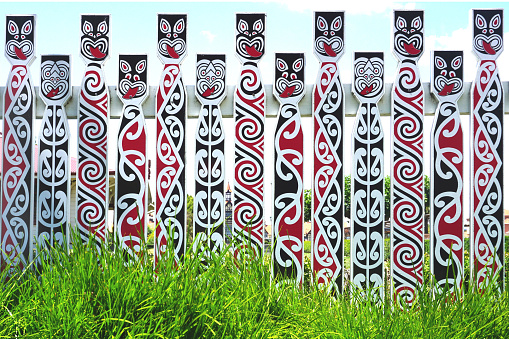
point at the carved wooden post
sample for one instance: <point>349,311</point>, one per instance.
<point>17,156</point>
<point>288,228</point>
<point>367,243</point>
<point>328,111</point>
<point>249,108</point>
<point>487,210</point>
<point>209,165</point>
<point>131,172</point>
<point>407,193</point>
<point>171,101</point>
<point>93,113</point>
<point>447,173</point>
<point>53,175</point>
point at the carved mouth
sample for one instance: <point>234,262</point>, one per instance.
<point>131,93</point>
<point>209,92</point>
<point>367,90</point>
<point>446,90</point>
<point>19,53</point>
<point>252,51</point>
<point>328,49</point>
<point>52,93</point>
<point>288,91</point>
<point>96,52</point>
<point>410,49</point>
<point>171,52</point>
<point>487,47</point>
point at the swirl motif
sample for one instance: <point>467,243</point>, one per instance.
<point>288,256</point>
<point>487,256</point>
<point>248,212</point>
<point>92,172</point>
<point>131,181</point>
<point>407,212</point>
<point>327,263</point>
<point>17,169</point>
<point>170,149</point>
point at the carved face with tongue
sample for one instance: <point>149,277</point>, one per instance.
<point>210,77</point>
<point>250,36</point>
<point>488,33</point>
<point>368,74</point>
<point>289,75</point>
<point>329,33</point>
<point>19,42</point>
<point>172,37</point>
<point>55,83</point>
<point>408,34</point>
<point>132,76</point>
<point>447,73</point>
<point>95,30</point>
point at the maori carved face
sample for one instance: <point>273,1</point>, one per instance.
<point>368,76</point>
<point>289,76</point>
<point>172,37</point>
<point>95,41</point>
<point>447,73</point>
<point>250,38</point>
<point>488,33</point>
<point>19,40</point>
<point>329,35</point>
<point>210,78</point>
<point>132,77</point>
<point>408,34</point>
<point>55,78</point>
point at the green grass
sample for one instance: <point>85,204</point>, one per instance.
<point>76,298</point>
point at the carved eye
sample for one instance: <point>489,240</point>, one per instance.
<point>242,27</point>
<point>491,31</point>
<point>164,26</point>
<point>258,25</point>
<point>141,65</point>
<point>202,73</point>
<point>62,74</point>
<point>361,71</point>
<point>325,33</point>
<point>218,73</point>
<point>336,24</point>
<point>23,36</point>
<point>87,27</point>
<point>480,22</point>
<point>281,65</point>
<point>179,26</point>
<point>452,74</point>
<point>412,30</point>
<point>297,65</point>
<point>376,71</point>
<point>12,27</point>
<point>293,76</point>
<point>400,23</point>
<point>16,36</point>
<point>47,74</point>
<point>456,62</point>
<point>440,63</point>
<point>443,72</point>
<point>136,77</point>
<point>103,27</point>
<point>321,24</point>
<point>125,67</point>
<point>495,21</point>
<point>405,30</point>
<point>485,31</point>
<point>128,76</point>
<point>285,74</point>
<point>332,33</point>
<point>27,28</point>
<point>417,23</point>
<point>175,35</point>
<point>254,33</point>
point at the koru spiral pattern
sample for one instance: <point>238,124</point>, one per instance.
<point>17,156</point>
<point>487,235</point>
<point>288,228</point>
<point>170,142</point>
<point>367,245</point>
<point>447,173</point>
<point>93,112</point>
<point>328,112</point>
<point>407,193</point>
<point>249,110</point>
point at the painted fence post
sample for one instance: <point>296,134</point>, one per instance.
<point>447,173</point>
<point>209,162</point>
<point>92,184</point>
<point>131,171</point>
<point>407,193</point>
<point>288,228</point>
<point>171,100</point>
<point>487,135</point>
<point>328,182</point>
<point>17,156</point>
<point>249,110</point>
<point>53,175</point>
<point>367,223</point>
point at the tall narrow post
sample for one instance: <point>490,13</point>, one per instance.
<point>328,182</point>
<point>171,98</point>
<point>407,186</point>
<point>209,166</point>
<point>249,110</point>
<point>367,223</point>
<point>92,184</point>
<point>17,156</point>
<point>288,228</point>
<point>131,173</point>
<point>487,137</point>
<point>447,173</point>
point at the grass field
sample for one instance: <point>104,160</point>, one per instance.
<point>75,297</point>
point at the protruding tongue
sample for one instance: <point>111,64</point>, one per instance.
<point>96,52</point>
<point>208,92</point>
<point>488,48</point>
<point>288,91</point>
<point>53,92</point>
<point>252,51</point>
<point>171,52</point>
<point>367,90</point>
<point>19,53</point>
<point>131,93</point>
<point>410,49</point>
<point>446,90</point>
<point>328,49</point>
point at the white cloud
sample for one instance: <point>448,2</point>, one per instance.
<point>209,35</point>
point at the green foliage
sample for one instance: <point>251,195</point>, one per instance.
<point>189,219</point>
<point>348,194</point>
<point>307,205</point>
<point>307,246</point>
